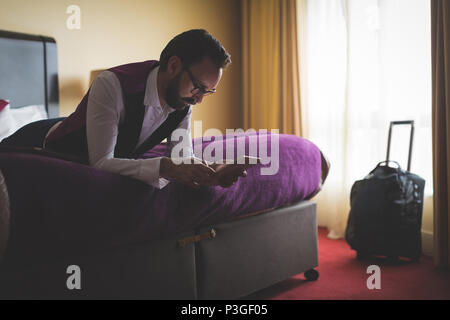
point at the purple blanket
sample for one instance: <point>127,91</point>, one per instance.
<point>61,209</point>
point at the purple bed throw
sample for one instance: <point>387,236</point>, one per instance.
<point>61,209</point>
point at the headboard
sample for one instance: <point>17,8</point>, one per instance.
<point>29,71</point>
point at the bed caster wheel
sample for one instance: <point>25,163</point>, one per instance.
<point>311,275</point>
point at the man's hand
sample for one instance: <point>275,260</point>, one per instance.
<point>194,174</point>
<point>226,176</point>
<point>199,173</point>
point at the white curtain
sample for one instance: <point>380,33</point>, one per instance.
<point>365,63</point>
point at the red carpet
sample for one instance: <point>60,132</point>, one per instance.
<point>342,276</point>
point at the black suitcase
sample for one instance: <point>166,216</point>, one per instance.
<point>386,209</point>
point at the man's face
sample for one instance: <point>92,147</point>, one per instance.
<point>181,90</point>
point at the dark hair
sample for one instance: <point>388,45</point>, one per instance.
<point>192,46</point>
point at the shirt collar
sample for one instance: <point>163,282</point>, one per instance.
<point>151,98</point>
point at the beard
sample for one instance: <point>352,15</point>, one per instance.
<point>173,98</point>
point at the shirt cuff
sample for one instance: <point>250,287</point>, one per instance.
<point>160,183</point>
<point>149,172</point>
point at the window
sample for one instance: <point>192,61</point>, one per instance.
<point>364,63</point>
<point>368,62</point>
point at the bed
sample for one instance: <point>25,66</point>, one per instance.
<point>131,241</point>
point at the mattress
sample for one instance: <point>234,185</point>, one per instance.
<point>60,208</point>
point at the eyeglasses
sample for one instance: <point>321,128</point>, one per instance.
<point>198,88</point>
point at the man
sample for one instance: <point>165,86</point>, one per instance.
<point>131,108</point>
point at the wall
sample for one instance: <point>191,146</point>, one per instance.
<point>115,32</point>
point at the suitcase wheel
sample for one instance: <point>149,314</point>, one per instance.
<point>361,255</point>
<point>393,259</point>
<point>311,275</point>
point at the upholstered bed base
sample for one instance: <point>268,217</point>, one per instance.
<point>245,256</point>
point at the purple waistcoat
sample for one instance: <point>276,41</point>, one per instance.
<point>70,136</point>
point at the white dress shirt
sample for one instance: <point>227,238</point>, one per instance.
<point>106,110</point>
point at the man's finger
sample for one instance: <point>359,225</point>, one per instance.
<point>229,182</point>
<point>204,171</point>
<point>195,160</point>
<point>204,177</point>
<point>191,183</point>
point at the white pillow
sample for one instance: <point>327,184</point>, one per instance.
<point>28,114</point>
<point>7,123</point>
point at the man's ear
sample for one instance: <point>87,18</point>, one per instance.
<point>174,66</point>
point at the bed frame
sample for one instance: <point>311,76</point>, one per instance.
<point>223,261</point>
<point>29,66</point>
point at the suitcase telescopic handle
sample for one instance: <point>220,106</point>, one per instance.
<point>406,122</point>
